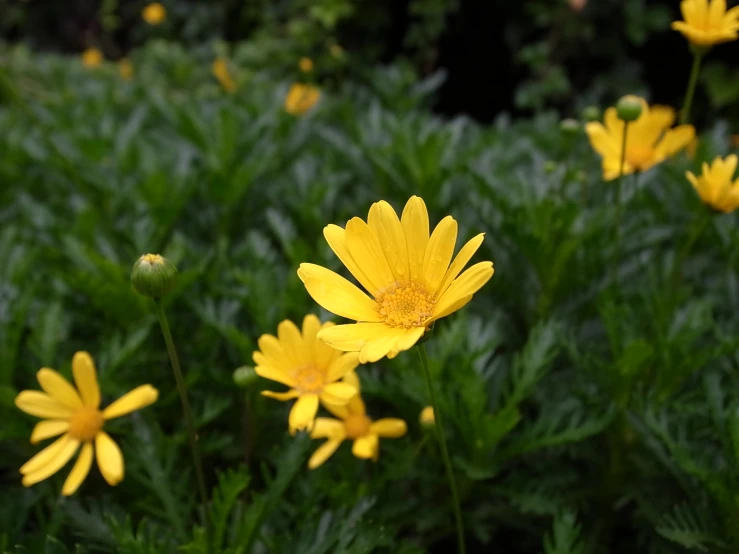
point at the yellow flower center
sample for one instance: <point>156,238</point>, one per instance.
<point>639,157</point>
<point>357,426</point>
<point>152,259</point>
<point>85,424</point>
<point>309,379</point>
<point>405,304</point>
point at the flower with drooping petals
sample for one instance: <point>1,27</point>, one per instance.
<point>301,98</point>
<point>154,13</point>
<point>76,413</point>
<point>707,22</point>
<point>353,424</point>
<point>715,186</point>
<point>310,367</point>
<point>410,275</point>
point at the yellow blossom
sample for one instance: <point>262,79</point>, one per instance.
<point>411,277</point>
<point>221,72</point>
<point>427,416</point>
<point>353,424</point>
<point>308,366</point>
<point>707,22</point>
<point>154,13</point>
<point>125,69</point>
<point>650,139</point>
<point>92,57</point>
<point>77,414</point>
<point>301,98</point>
<point>305,64</point>
<point>715,186</point>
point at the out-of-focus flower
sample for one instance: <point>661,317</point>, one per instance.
<point>707,22</point>
<point>221,72</point>
<point>426,418</point>
<point>301,98</point>
<point>305,64</point>
<point>77,414</point>
<point>336,51</point>
<point>154,13</point>
<point>650,139</point>
<point>125,69</point>
<point>92,57</point>
<point>353,424</point>
<point>715,186</point>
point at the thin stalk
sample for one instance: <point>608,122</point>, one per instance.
<point>677,264</point>
<point>692,83</point>
<point>186,410</point>
<point>439,428</point>
<point>619,185</point>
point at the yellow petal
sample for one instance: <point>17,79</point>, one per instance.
<point>272,350</point>
<point>415,222</point>
<point>716,12</point>
<point>60,459</point>
<point>337,393</point>
<point>85,377</point>
<point>109,458</point>
<point>384,222</point>
<point>311,326</point>
<point>303,412</point>
<point>342,412</point>
<point>327,428</point>
<point>47,429</point>
<point>45,456</point>
<point>379,347</point>
<point>352,379</point>
<point>336,294</point>
<point>323,453</point>
<point>601,141</point>
<point>389,427</point>
<point>59,388</point>
<point>134,400</point>
<point>675,140</point>
<point>353,336</point>
<point>464,287</point>
<point>341,366</point>
<point>275,374</point>
<point>366,447</point>
<point>325,355</point>
<point>366,251</point>
<point>79,471</point>
<point>336,238</point>
<point>281,396</point>
<point>439,252</point>
<point>40,404</point>
<point>461,260</point>
<point>292,344</point>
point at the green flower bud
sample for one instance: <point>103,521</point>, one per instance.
<point>569,127</point>
<point>245,376</point>
<point>153,275</point>
<point>629,108</point>
<point>550,166</point>
<point>591,113</point>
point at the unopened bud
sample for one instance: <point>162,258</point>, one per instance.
<point>153,275</point>
<point>245,376</point>
<point>426,419</point>
<point>629,108</point>
<point>591,113</point>
<point>569,127</point>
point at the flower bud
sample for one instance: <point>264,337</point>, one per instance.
<point>569,127</point>
<point>245,376</point>
<point>629,108</point>
<point>591,113</point>
<point>153,275</point>
<point>426,419</point>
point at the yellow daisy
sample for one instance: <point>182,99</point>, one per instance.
<point>301,98</point>
<point>154,13</point>
<point>715,186</point>
<point>353,424</point>
<point>707,22</point>
<point>407,273</point>
<point>92,57</point>
<point>76,413</point>
<point>649,141</point>
<point>221,72</point>
<point>308,366</point>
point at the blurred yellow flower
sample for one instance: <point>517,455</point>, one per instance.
<point>308,366</point>
<point>76,413</point>
<point>220,71</point>
<point>706,22</point>
<point>649,141</point>
<point>125,69</point>
<point>305,65</point>
<point>715,186</point>
<point>427,417</point>
<point>154,13</point>
<point>301,98</point>
<point>353,424</point>
<point>407,272</point>
<point>92,57</point>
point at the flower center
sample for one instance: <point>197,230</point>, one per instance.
<point>405,304</point>
<point>309,379</point>
<point>357,426</point>
<point>639,157</point>
<point>85,424</point>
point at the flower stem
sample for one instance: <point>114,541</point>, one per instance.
<point>617,226</point>
<point>186,409</point>
<point>692,83</point>
<point>677,264</point>
<point>439,427</point>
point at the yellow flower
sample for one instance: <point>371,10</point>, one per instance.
<point>706,22</point>
<point>427,417</point>
<point>353,424</point>
<point>220,71</point>
<point>715,186</point>
<point>92,57</point>
<point>407,272</point>
<point>305,65</point>
<point>301,98</point>
<point>125,69</point>
<point>308,366</point>
<point>649,140</point>
<point>76,413</point>
<point>154,13</point>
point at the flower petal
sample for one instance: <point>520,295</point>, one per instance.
<point>366,251</point>
<point>57,462</point>
<point>79,471</point>
<point>292,344</point>
<point>311,326</point>
<point>353,336</point>
<point>366,447</point>
<point>275,374</point>
<point>109,458</point>
<point>323,453</point>
<point>389,427</point>
<point>415,222</point>
<point>384,222</point>
<point>341,366</point>
<point>136,399</point>
<point>85,377</point>
<point>336,294</point>
<point>463,288</point>
<point>303,412</point>
<point>461,260</point>
<point>59,388</point>
<point>281,396</point>
<point>337,393</point>
<point>40,404</point>
<point>327,428</point>
<point>439,252</point>
<point>47,429</point>
<point>336,238</point>
<point>45,456</point>
<point>271,349</point>
<point>675,140</point>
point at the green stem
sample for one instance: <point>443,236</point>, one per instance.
<point>692,83</point>
<point>439,428</point>
<point>677,264</point>
<point>617,225</point>
<point>186,410</point>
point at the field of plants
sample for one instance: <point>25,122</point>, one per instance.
<point>578,395</point>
